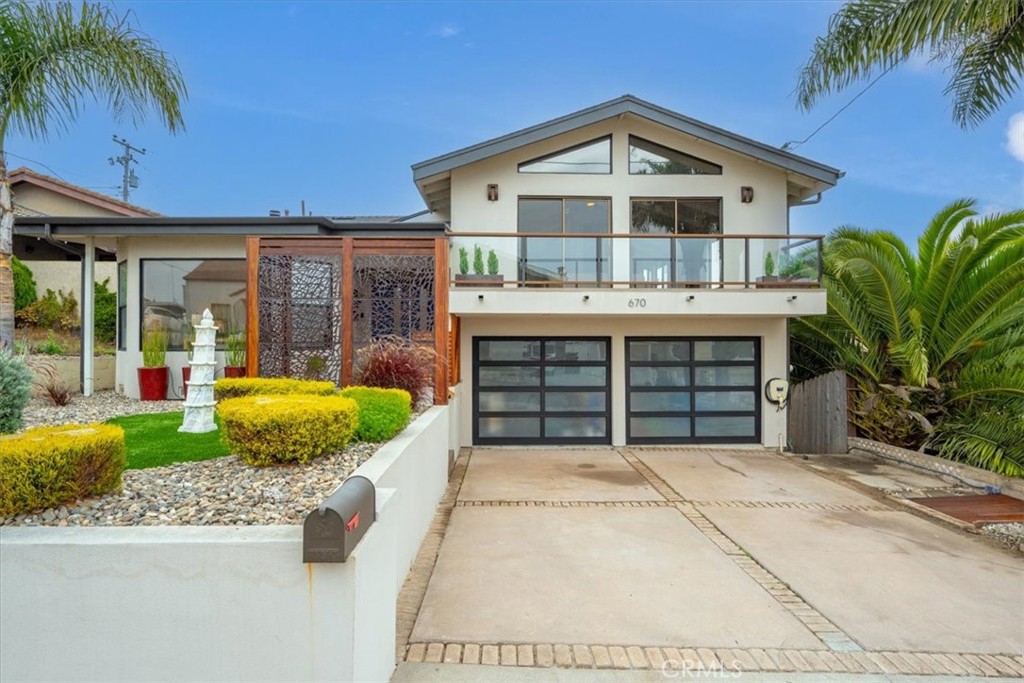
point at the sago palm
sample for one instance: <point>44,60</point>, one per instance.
<point>935,341</point>
<point>981,40</point>
<point>53,58</point>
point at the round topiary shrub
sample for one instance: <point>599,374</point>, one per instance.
<point>233,387</point>
<point>49,466</point>
<point>382,412</point>
<point>269,430</point>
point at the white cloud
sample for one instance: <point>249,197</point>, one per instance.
<point>1015,136</point>
<point>447,31</point>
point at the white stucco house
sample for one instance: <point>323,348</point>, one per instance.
<point>638,280</point>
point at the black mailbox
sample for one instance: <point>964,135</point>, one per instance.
<point>331,532</point>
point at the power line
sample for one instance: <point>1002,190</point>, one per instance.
<point>793,144</point>
<point>129,181</point>
<point>51,169</point>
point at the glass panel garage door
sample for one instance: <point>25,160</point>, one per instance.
<point>693,390</point>
<point>541,390</point>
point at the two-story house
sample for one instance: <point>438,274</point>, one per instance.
<point>647,278</point>
<point>621,275</point>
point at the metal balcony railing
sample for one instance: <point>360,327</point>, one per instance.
<point>481,259</point>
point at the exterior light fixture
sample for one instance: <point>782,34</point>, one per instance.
<point>586,297</point>
<point>691,297</point>
<point>746,194</point>
<point>479,297</point>
<point>492,192</point>
<point>791,298</point>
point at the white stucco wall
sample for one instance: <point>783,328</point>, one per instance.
<point>219,603</point>
<point>472,212</point>
<point>133,249</point>
<point>771,332</point>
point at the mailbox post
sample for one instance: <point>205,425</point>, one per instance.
<point>331,532</point>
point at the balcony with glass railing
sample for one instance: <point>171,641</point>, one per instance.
<point>633,261</point>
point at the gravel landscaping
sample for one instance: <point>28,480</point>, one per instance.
<point>1010,534</point>
<point>220,491</point>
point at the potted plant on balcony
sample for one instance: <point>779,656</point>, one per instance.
<point>153,373</point>
<point>769,279</point>
<point>235,365</point>
<point>482,276</point>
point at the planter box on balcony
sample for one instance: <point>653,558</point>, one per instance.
<point>479,280</point>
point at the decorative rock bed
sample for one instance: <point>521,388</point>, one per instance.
<point>221,491</point>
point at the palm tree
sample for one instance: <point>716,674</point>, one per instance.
<point>983,41</point>
<point>53,57</point>
<point>934,341</point>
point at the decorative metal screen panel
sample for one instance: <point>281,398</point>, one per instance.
<point>300,322</point>
<point>393,295</point>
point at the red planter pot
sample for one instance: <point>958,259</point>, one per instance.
<point>234,371</point>
<point>186,375</point>
<point>152,384</point>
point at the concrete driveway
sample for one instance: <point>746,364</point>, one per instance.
<point>703,560</point>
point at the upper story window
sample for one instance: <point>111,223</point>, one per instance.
<point>581,215</point>
<point>650,158</point>
<point>676,216</point>
<point>593,157</point>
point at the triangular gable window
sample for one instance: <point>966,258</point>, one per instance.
<point>650,158</point>
<point>594,157</point>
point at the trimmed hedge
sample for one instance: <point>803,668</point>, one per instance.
<point>267,430</point>
<point>382,412</point>
<point>49,466</point>
<point>233,387</point>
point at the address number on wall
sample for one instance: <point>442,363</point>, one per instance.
<point>638,303</point>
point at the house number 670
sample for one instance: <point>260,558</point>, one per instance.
<point>638,303</point>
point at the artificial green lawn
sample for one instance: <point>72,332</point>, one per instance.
<point>153,440</point>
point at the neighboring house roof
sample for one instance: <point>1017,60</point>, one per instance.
<point>426,173</point>
<point>218,270</point>
<point>76,192</point>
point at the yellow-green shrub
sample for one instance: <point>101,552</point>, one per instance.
<point>49,466</point>
<point>382,412</point>
<point>233,387</point>
<point>264,430</point>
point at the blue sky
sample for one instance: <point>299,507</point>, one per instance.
<point>332,102</point>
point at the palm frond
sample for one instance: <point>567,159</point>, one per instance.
<point>55,58</point>
<point>989,438</point>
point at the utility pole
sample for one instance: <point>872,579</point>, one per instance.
<point>129,181</point>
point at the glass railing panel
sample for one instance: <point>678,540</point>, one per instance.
<point>698,261</point>
<point>483,261</point>
<point>650,261</point>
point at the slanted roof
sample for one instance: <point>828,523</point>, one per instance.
<point>432,176</point>
<point>77,192</point>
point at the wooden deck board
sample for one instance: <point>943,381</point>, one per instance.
<point>978,510</point>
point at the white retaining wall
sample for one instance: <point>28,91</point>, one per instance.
<point>219,603</point>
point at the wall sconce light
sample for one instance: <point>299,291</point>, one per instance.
<point>586,297</point>
<point>746,194</point>
<point>791,298</point>
<point>479,297</point>
<point>492,192</point>
<point>691,297</point>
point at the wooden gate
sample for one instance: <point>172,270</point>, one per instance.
<point>819,416</point>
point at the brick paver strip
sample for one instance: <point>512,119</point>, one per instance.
<point>1017,668</point>
<point>563,656</point>
<point>524,655</point>
<point>452,653</point>
<point>489,655</point>
<point>708,659</point>
<point>435,651</point>
<point>416,652</point>
<point>508,655</point>
<point>602,660</point>
<point>471,654</point>
<point>655,657</point>
<point>583,656</point>
<point>980,663</point>
<point>410,597</point>
<point>619,658</point>
<point>637,659</point>
<point>545,656</point>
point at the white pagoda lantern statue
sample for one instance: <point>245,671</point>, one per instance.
<point>199,403</point>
